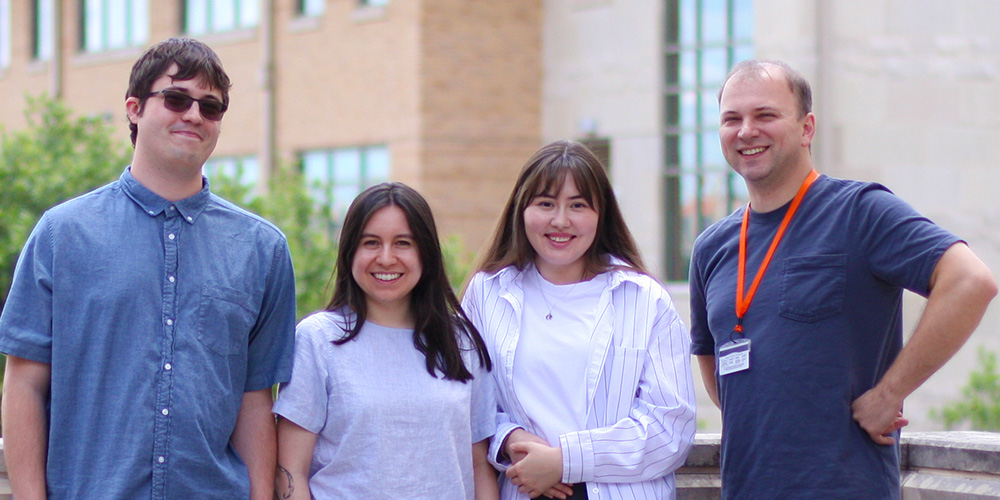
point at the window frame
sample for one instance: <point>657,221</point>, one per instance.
<point>42,26</point>
<point>134,25</point>
<point>324,190</point>
<point>686,132</point>
<point>245,15</point>
<point>5,27</point>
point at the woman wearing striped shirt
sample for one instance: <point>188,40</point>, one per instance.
<point>591,362</point>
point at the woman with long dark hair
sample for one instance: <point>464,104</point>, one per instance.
<point>592,362</point>
<point>390,394</point>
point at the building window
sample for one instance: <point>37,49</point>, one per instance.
<point>337,176</point>
<point>311,8</point>
<point>114,24</point>
<point>242,169</point>
<point>41,29</point>
<point>215,16</point>
<point>4,33</point>
<point>704,38</point>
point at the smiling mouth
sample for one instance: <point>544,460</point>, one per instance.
<point>188,133</point>
<point>386,276</point>
<point>560,239</point>
<point>752,151</point>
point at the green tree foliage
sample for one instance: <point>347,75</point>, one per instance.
<point>306,224</point>
<point>979,407</point>
<point>312,236</point>
<point>58,156</point>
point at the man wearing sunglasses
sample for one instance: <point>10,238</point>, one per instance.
<point>149,319</point>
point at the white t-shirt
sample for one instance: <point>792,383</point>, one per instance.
<point>552,355</point>
<point>385,428</point>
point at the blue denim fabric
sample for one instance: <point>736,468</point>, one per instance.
<point>155,317</point>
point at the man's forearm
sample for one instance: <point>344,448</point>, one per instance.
<point>25,391</point>
<point>255,440</point>
<point>961,290</point>
<point>706,366</point>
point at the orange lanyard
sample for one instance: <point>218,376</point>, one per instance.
<point>743,303</point>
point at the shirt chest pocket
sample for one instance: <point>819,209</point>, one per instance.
<point>813,287</point>
<point>225,317</point>
<point>623,381</point>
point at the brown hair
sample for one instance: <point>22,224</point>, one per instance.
<point>194,59</point>
<point>545,172</point>
<point>760,67</point>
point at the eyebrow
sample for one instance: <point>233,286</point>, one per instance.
<point>400,235</point>
<point>755,110</point>
<point>184,90</point>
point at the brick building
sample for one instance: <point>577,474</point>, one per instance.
<point>441,94</point>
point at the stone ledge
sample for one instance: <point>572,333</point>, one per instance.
<point>934,466</point>
<point>957,451</point>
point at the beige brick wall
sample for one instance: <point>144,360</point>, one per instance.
<point>480,107</point>
<point>452,87</point>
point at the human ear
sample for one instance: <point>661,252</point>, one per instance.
<point>132,109</point>
<point>808,130</point>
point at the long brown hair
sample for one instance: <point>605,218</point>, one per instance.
<point>440,320</point>
<point>545,172</point>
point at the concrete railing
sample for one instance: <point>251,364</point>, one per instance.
<point>934,465</point>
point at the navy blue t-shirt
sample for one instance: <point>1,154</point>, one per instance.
<point>825,324</point>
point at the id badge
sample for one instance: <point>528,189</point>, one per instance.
<point>734,356</point>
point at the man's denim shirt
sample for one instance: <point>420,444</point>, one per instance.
<point>155,317</point>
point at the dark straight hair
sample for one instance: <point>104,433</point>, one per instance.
<point>441,328</point>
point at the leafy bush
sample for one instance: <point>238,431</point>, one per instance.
<point>306,224</point>
<point>979,407</point>
<point>55,158</point>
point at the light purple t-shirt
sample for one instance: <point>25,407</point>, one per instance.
<point>385,428</point>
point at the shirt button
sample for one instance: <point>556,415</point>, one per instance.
<point>168,367</point>
<point>190,218</point>
<point>172,208</point>
<point>161,459</point>
<point>170,236</point>
<point>151,212</point>
<point>170,322</point>
<point>165,412</point>
<point>171,279</point>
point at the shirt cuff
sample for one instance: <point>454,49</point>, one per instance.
<point>497,457</point>
<point>577,454</point>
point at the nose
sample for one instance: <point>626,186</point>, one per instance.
<point>747,129</point>
<point>193,114</point>
<point>386,256</point>
<point>559,218</point>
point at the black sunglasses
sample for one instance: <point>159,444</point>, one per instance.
<point>179,102</point>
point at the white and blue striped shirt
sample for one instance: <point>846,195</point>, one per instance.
<point>640,397</point>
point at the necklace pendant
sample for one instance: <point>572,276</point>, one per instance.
<point>548,316</point>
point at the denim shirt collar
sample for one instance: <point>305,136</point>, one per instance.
<point>153,204</point>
